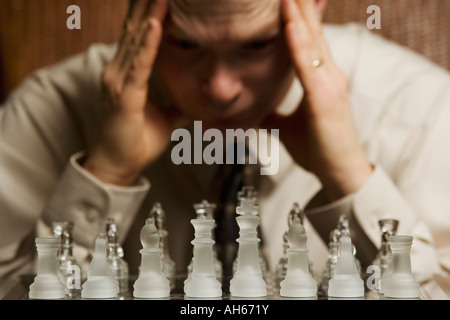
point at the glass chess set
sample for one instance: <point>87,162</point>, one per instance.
<point>59,275</point>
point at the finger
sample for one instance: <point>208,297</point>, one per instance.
<point>157,9</point>
<point>291,15</point>
<point>142,63</point>
<point>302,46</point>
<point>138,12</point>
<point>137,24</point>
<point>310,14</point>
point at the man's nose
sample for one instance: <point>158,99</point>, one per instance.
<point>223,84</point>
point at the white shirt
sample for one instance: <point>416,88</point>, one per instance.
<point>401,107</point>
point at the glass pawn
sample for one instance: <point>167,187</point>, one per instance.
<point>68,266</point>
<point>168,265</point>
<point>118,265</point>
<point>332,258</point>
<point>388,227</point>
<point>281,268</point>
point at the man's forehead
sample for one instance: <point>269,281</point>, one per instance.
<point>220,19</point>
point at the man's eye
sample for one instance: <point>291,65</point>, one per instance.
<point>256,45</point>
<point>259,45</point>
<point>183,44</point>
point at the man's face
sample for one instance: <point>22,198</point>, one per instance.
<point>224,62</point>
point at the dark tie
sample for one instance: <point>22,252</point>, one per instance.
<point>227,230</point>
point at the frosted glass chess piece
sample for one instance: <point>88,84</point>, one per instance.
<point>47,284</point>
<point>152,282</point>
<point>114,256</point>
<point>400,282</point>
<point>388,270</point>
<point>206,209</point>
<point>202,281</point>
<point>346,281</point>
<point>344,227</point>
<point>168,265</point>
<point>333,252</point>
<point>100,283</point>
<point>298,283</point>
<point>249,193</point>
<point>68,266</point>
<point>388,227</point>
<point>248,279</point>
<point>281,268</point>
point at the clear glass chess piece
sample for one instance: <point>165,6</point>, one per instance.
<point>47,284</point>
<point>388,227</point>
<point>281,268</point>
<point>333,252</point>
<point>168,265</point>
<point>344,227</point>
<point>118,265</point>
<point>68,266</point>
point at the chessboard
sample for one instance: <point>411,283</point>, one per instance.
<point>437,288</point>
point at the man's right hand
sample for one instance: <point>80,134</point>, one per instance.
<point>134,132</point>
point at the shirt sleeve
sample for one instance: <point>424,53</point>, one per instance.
<point>378,199</point>
<point>81,198</point>
<point>48,118</point>
<point>401,106</point>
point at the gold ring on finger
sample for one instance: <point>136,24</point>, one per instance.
<point>317,63</point>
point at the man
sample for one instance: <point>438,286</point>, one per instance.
<point>361,122</point>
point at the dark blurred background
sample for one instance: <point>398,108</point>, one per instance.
<point>33,33</point>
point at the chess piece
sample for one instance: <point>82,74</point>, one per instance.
<point>298,283</point>
<point>332,258</point>
<point>47,284</point>
<point>388,270</point>
<point>152,282</point>
<point>114,256</point>
<point>206,209</point>
<point>388,227</point>
<point>344,227</point>
<point>202,281</point>
<point>168,265</point>
<point>248,279</point>
<point>100,283</point>
<point>346,281</point>
<point>68,266</point>
<point>249,192</point>
<point>400,282</point>
<point>281,268</point>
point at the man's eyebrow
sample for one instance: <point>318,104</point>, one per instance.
<point>267,33</point>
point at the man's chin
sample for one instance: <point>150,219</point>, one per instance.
<point>224,125</point>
